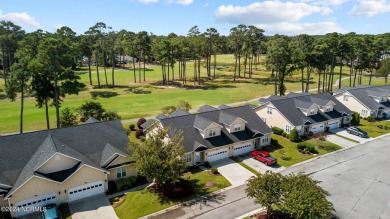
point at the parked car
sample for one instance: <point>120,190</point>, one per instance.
<point>264,157</point>
<point>50,212</point>
<point>357,131</point>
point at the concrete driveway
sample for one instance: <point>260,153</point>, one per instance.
<point>95,207</point>
<point>345,143</point>
<point>232,171</point>
<point>343,132</point>
<point>257,165</point>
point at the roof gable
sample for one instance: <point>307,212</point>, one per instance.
<point>202,124</point>
<point>228,119</point>
<point>206,108</point>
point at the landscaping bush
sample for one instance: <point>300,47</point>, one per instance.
<point>355,119</point>
<point>274,142</point>
<point>288,136</point>
<point>277,130</point>
<point>294,136</point>
<point>284,134</point>
<point>330,148</point>
<point>178,190</point>
<point>322,138</point>
<point>207,164</point>
<point>112,188</point>
<point>140,122</point>
<point>214,170</point>
<point>139,133</point>
<point>305,147</point>
<point>132,127</point>
<point>370,119</point>
<point>380,126</point>
<point>124,183</point>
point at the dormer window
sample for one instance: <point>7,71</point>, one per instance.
<point>237,127</point>
<point>345,98</point>
<point>212,133</point>
<point>269,110</point>
<point>327,108</point>
<point>312,112</point>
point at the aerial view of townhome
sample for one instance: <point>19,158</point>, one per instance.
<point>308,113</point>
<point>366,100</point>
<point>194,109</point>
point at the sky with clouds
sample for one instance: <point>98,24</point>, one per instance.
<point>289,17</point>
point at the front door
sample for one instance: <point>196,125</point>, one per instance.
<point>199,157</point>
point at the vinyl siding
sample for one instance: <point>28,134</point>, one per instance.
<point>54,165</point>
<point>353,104</point>
<point>276,119</point>
<point>130,171</point>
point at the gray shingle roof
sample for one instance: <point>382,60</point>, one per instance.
<point>148,123</point>
<point>161,116</point>
<point>223,106</point>
<point>108,152</point>
<point>202,123</point>
<point>21,153</point>
<point>91,120</point>
<point>226,118</point>
<point>179,112</point>
<point>206,108</point>
<point>288,106</point>
<point>192,136</point>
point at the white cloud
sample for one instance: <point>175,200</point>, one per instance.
<point>20,18</point>
<point>180,2</point>
<point>300,28</point>
<point>265,12</point>
<point>326,11</point>
<point>370,8</point>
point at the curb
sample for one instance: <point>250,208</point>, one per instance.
<point>248,214</point>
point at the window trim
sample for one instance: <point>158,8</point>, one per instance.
<point>269,110</point>
<point>237,127</point>
<point>345,98</point>
<point>212,133</point>
<point>121,172</point>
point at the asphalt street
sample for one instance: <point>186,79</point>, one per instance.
<point>357,179</point>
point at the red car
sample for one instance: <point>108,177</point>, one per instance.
<point>264,157</point>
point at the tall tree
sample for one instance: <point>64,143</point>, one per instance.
<point>384,70</point>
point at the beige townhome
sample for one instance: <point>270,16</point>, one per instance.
<point>308,113</point>
<point>215,133</point>
<point>61,165</point>
<point>366,100</point>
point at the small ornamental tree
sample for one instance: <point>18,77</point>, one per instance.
<point>160,160</point>
<point>355,119</point>
<point>140,122</point>
<point>68,117</point>
<point>303,198</point>
<point>167,110</point>
<point>266,189</point>
<point>184,105</point>
<point>91,109</point>
<point>294,136</point>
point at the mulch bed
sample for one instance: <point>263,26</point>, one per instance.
<point>119,203</point>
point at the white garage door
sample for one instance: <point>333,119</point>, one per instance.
<point>31,205</point>
<point>317,128</point>
<point>217,155</point>
<point>86,190</point>
<point>334,124</point>
<point>242,149</point>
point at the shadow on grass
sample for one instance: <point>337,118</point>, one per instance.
<point>103,94</point>
<point>3,97</point>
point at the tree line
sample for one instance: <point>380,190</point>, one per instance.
<point>43,64</point>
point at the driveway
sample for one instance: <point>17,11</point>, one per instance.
<point>257,165</point>
<point>343,132</point>
<point>232,171</point>
<point>345,143</point>
<point>95,207</point>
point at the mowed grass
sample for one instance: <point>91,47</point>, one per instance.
<point>222,90</point>
<point>290,149</point>
<point>372,128</point>
<point>134,205</point>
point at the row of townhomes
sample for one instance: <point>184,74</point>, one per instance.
<point>366,100</point>
<point>308,113</point>
<point>67,164</point>
<point>61,165</point>
<point>212,133</point>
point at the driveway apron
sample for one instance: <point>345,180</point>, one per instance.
<point>232,171</point>
<point>94,207</point>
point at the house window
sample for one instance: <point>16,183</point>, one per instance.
<point>327,108</point>
<point>188,157</point>
<point>120,172</point>
<point>237,127</point>
<point>212,133</point>
<point>269,110</point>
<point>288,128</point>
<point>345,98</point>
<point>364,112</point>
<point>312,112</point>
<point>265,139</point>
<point>264,119</point>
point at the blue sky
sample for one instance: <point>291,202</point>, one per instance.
<point>165,16</point>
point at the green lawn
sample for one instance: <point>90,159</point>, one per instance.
<point>135,204</point>
<point>290,148</point>
<point>372,127</point>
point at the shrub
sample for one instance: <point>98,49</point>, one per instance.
<point>139,133</point>
<point>112,188</point>
<point>370,119</point>
<point>380,126</point>
<point>288,136</point>
<point>322,138</point>
<point>277,130</point>
<point>140,122</point>
<point>294,136</point>
<point>355,119</point>
<point>274,142</point>
<point>207,164</point>
<point>284,134</point>
<point>214,170</point>
<point>132,127</point>
<point>124,184</point>
<point>310,133</point>
<point>330,148</point>
<point>305,147</point>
